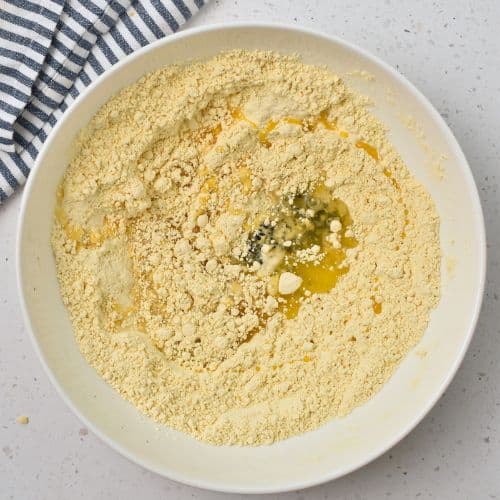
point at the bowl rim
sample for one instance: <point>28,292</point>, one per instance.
<point>478,215</point>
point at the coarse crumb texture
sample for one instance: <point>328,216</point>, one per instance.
<point>243,254</point>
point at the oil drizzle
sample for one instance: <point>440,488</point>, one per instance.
<point>293,233</point>
<point>371,150</point>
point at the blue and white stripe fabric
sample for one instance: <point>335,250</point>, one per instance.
<point>50,50</point>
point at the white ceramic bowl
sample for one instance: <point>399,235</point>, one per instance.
<point>341,445</point>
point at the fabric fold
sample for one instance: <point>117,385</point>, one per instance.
<point>26,31</point>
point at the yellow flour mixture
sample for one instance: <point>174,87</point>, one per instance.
<point>243,254</point>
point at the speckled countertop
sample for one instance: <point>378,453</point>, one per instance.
<point>451,50</point>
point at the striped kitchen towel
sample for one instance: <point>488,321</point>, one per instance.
<point>50,50</point>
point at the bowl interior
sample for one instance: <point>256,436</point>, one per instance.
<point>343,444</point>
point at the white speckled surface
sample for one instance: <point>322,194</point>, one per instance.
<point>451,50</point>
